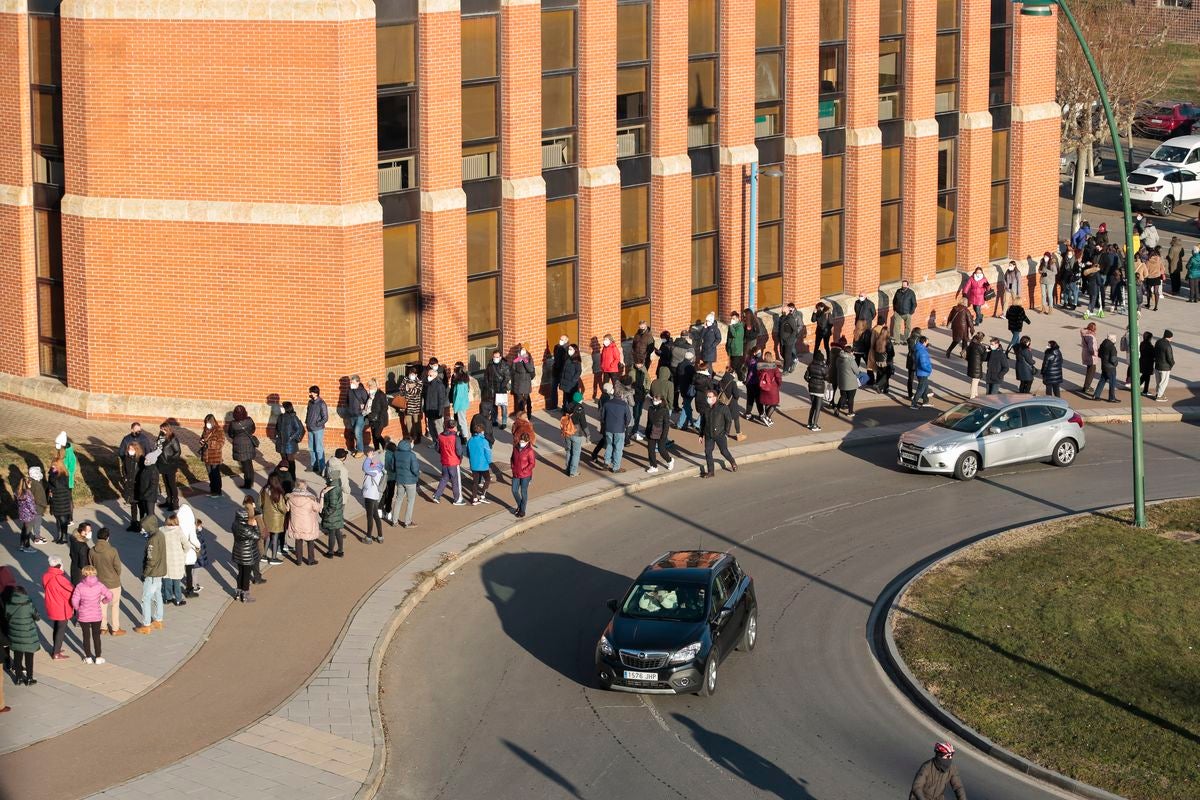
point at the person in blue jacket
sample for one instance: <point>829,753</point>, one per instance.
<point>923,366</point>
<point>479,452</point>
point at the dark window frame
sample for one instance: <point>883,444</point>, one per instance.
<point>646,63</point>
<point>47,200</point>
<point>573,260</point>
<point>573,71</point>
<point>779,50</point>
<point>489,81</point>
<point>643,246</point>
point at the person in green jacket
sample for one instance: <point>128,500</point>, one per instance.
<point>21,618</point>
<point>333,517</point>
<point>734,343</point>
<point>1193,275</point>
<point>61,442</point>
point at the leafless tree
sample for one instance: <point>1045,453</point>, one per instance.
<point>1130,49</point>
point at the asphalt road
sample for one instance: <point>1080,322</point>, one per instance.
<point>487,690</point>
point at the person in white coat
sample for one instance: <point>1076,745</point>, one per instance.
<point>194,551</point>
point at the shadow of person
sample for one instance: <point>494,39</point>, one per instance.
<point>553,606</point>
<point>754,769</point>
<point>541,766</point>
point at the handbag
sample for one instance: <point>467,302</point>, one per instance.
<point>501,399</point>
<point>828,394</point>
<point>254,440</point>
<point>990,294</point>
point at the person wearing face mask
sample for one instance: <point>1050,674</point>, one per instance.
<point>702,381</point>
<point>658,428</point>
<point>976,290</point>
<point>789,333</point>
<point>212,440</point>
<point>316,416</point>
<point>1047,275</point>
<point>685,374</point>
<point>864,317</point>
<point>610,359</point>
<point>240,432</point>
<point>523,461</point>
<point>356,411</point>
<point>616,418</point>
<point>559,358</point>
<point>573,425</point>
<point>715,426</point>
<point>433,403</point>
<point>936,774</point>
<point>131,457</point>
<point>664,351</point>
<point>997,366</point>
<point>460,398</point>
<point>523,372</point>
<point>753,401</point>
<point>769,378</point>
<point>571,379</point>
<point>497,380</point>
<point>411,421</point>
<point>735,342</point>
<point>710,337</point>
<point>377,412</point>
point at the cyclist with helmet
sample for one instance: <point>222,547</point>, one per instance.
<point>936,774</point>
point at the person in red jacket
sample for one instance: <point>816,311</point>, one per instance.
<point>56,592</point>
<point>450,448</point>
<point>523,460</point>
<point>769,378</point>
<point>610,360</point>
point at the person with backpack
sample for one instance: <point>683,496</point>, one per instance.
<point>815,376</point>
<point>728,395</point>
<point>685,373</point>
<point>407,472</point>
<point>769,380</point>
<point>573,426</point>
<point>479,454</point>
<point>333,518</point>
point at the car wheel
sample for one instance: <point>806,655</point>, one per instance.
<point>709,687</point>
<point>1168,205</point>
<point>750,634</point>
<point>1064,453</point>
<point>967,466</point>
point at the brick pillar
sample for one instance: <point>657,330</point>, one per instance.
<point>863,149</point>
<point>802,158</point>
<point>599,180</point>
<point>1036,119</point>
<point>247,241</point>
<point>735,125</point>
<point>523,215</point>
<point>670,170</point>
<point>974,137</point>
<point>18,324</point>
<point>919,155</point>
<point>443,203</point>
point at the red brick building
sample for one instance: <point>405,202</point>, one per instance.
<point>227,200</point>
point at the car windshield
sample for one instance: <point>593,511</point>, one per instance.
<point>670,600</point>
<point>1169,153</point>
<point>1142,179</point>
<point>1164,111</point>
<point>965,417</point>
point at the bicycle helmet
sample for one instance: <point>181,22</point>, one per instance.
<point>943,749</point>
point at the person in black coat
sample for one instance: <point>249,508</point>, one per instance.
<point>1017,320</point>
<point>658,430</point>
<point>558,360</point>
<point>147,485</point>
<point>997,366</point>
<point>1164,362</point>
<point>1146,361</point>
<point>240,432</point>
<point>822,320</point>
<point>1107,355</point>
<point>62,504</point>
<point>976,355</point>
<point>715,425</point>
<point>433,403</point>
<point>1052,369</point>
<point>497,380</point>
<point>816,376</point>
<point>245,552</point>
<point>1026,370</point>
<point>522,381</point>
<point>572,373</point>
<point>170,458</point>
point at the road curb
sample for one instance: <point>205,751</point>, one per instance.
<point>896,668</point>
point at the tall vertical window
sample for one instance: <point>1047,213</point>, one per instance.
<point>946,57</point>
<point>1000,105</point>
<point>633,79</point>
<point>831,79</point>
<point>832,223</point>
<point>704,245</point>
<point>998,243</point>
<point>481,95</point>
<point>768,68</point>
<point>891,59</point>
<point>770,237</point>
<point>702,73</point>
<point>947,201</point>
<point>635,257</point>
<point>46,104</point>
<point>562,270</point>
<point>1000,54</point>
<point>483,278</point>
<point>396,102</point>
<point>558,87</point>
<point>401,295</point>
<point>891,217</point>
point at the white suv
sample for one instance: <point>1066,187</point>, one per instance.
<point>1161,187</point>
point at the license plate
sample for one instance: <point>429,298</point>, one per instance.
<point>630,675</point>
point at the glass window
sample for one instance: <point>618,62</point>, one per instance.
<point>635,215</point>
<point>558,40</point>
<point>770,292</point>
<point>833,20</point>
<point>560,290</point>
<point>998,245</point>
<point>999,155</point>
<point>479,48</point>
<point>889,227</point>
<point>891,17</point>
<point>401,321</point>
<point>770,196</point>
<point>48,237</point>
<point>483,242</point>
<point>704,203</point>
<point>481,306</point>
<point>999,206</point>
<point>704,262</point>
<point>768,78</point>
<point>43,55</point>
<point>558,102</point>
<point>395,126</point>
<point>947,208</point>
<point>396,55</point>
<point>45,132</point>
<point>947,256</point>
<point>567,327</point>
<point>770,254</point>
<point>889,267</point>
<point>890,173</point>
<point>832,279</point>
<point>400,260</point>
<point>560,229</point>
<point>51,316</point>
<point>702,88</point>
<point>703,303</point>
<point>768,23</point>
<point>831,238</point>
<point>832,73</point>
<point>946,176</point>
<point>631,92</point>
<point>631,316</point>
<point>479,112</point>
<point>1001,50</point>
<point>702,26</point>
<point>634,268</point>
<point>891,63</point>
<point>946,62</point>
<point>947,14</point>
<point>631,32</point>
<point>831,183</point>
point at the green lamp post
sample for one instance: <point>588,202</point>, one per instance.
<point>1045,8</point>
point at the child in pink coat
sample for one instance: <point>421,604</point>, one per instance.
<point>88,600</point>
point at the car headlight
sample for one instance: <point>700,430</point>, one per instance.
<point>937,448</point>
<point>685,654</point>
<point>606,646</point>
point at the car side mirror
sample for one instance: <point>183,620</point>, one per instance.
<point>722,615</point>
<point>992,431</point>
<point>612,605</point>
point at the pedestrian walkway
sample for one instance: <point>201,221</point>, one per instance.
<point>279,697</point>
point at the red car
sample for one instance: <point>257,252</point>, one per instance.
<point>1167,119</point>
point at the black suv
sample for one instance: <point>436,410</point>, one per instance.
<point>680,618</point>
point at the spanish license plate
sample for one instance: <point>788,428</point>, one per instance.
<point>630,675</point>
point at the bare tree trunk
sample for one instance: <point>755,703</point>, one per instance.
<point>1129,135</point>
<point>1080,181</point>
<point>1091,173</point>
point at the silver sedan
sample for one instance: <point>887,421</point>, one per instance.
<point>992,431</point>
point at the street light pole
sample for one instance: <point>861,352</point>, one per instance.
<point>1042,8</point>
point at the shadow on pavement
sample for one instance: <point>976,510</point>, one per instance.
<point>553,606</point>
<point>541,766</point>
<point>754,769</point>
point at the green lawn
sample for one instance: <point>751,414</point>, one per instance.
<point>1077,646</point>
<point>1184,84</point>
<point>98,479</point>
